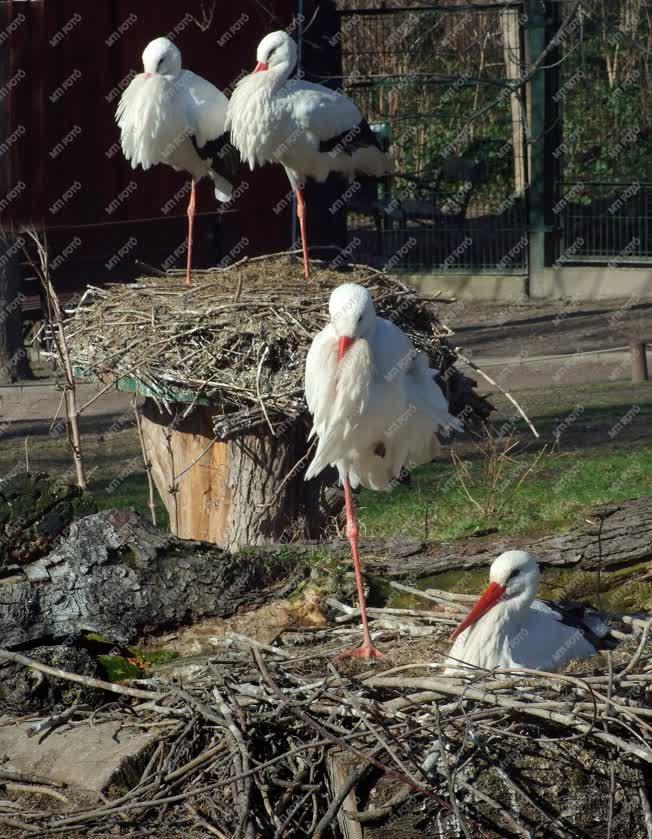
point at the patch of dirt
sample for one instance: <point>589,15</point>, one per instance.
<point>547,328</point>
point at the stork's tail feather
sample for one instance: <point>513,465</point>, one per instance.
<point>225,167</point>
<point>223,189</point>
<point>373,162</point>
<point>317,465</point>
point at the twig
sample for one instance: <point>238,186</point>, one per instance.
<point>339,740</point>
<point>639,652</point>
<point>147,462</point>
<point>14,824</point>
<point>35,789</point>
<point>450,781</point>
<point>645,805</point>
<point>341,795</point>
<point>442,686</point>
<point>89,681</point>
<point>502,390</point>
<point>377,813</point>
<point>206,825</point>
<point>260,398</point>
<point>61,344</point>
<point>250,642</point>
<point>244,790</point>
<point>50,723</point>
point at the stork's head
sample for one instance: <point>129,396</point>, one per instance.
<point>514,579</point>
<point>275,50</point>
<point>163,57</point>
<point>352,314</point>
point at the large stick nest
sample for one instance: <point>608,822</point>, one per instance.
<point>286,743</point>
<point>238,337</point>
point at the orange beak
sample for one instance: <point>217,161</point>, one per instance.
<point>262,65</point>
<point>489,597</point>
<point>342,346</point>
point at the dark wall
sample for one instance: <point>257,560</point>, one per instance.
<point>66,62</point>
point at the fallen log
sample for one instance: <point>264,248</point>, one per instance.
<point>610,536</point>
<point>120,577</point>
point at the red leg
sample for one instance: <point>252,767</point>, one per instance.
<point>367,650</point>
<point>191,222</point>
<point>301,213</point>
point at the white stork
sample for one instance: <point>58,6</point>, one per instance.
<point>170,115</point>
<point>376,408</point>
<point>307,128</point>
<point>507,628</point>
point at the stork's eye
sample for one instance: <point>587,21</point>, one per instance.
<point>514,573</point>
<point>360,319</point>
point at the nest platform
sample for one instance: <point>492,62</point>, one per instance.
<point>237,339</point>
<point>221,367</point>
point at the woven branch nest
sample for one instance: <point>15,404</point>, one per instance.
<point>238,338</point>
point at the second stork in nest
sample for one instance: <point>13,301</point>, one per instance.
<point>307,128</point>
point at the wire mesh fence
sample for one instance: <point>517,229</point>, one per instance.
<point>443,87</point>
<point>457,199</point>
<point>605,198</point>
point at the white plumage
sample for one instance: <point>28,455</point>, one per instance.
<point>507,628</point>
<point>377,409</point>
<point>164,108</point>
<point>307,128</point>
<point>173,116</point>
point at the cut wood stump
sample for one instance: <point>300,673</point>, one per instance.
<point>239,492</point>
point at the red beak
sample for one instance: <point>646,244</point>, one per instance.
<point>342,346</point>
<point>489,597</point>
<point>262,65</point>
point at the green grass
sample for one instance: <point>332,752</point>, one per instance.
<point>549,501</point>
<point>130,491</point>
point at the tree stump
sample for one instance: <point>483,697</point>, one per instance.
<point>234,493</point>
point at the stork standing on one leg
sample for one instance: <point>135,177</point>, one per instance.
<point>173,116</point>
<point>307,128</point>
<point>376,408</point>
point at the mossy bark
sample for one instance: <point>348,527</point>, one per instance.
<point>35,511</point>
<point>118,576</point>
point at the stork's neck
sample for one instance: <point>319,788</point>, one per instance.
<point>273,79</point>
<point>503,618</point>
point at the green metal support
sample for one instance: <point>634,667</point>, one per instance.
<point>535,29</point>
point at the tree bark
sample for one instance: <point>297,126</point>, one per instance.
<point>625,537</point>
<point>232,493</point>
<point>118,576</point>
<point>14,362</point>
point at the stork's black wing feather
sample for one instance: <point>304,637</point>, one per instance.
<point>224,157</point>
<point>357,137</point>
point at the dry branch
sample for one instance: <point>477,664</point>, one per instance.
<point>60,341</point>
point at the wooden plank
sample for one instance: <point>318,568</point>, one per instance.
<point>338,773</point>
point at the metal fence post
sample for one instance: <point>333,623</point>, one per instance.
<point>535,30</point>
